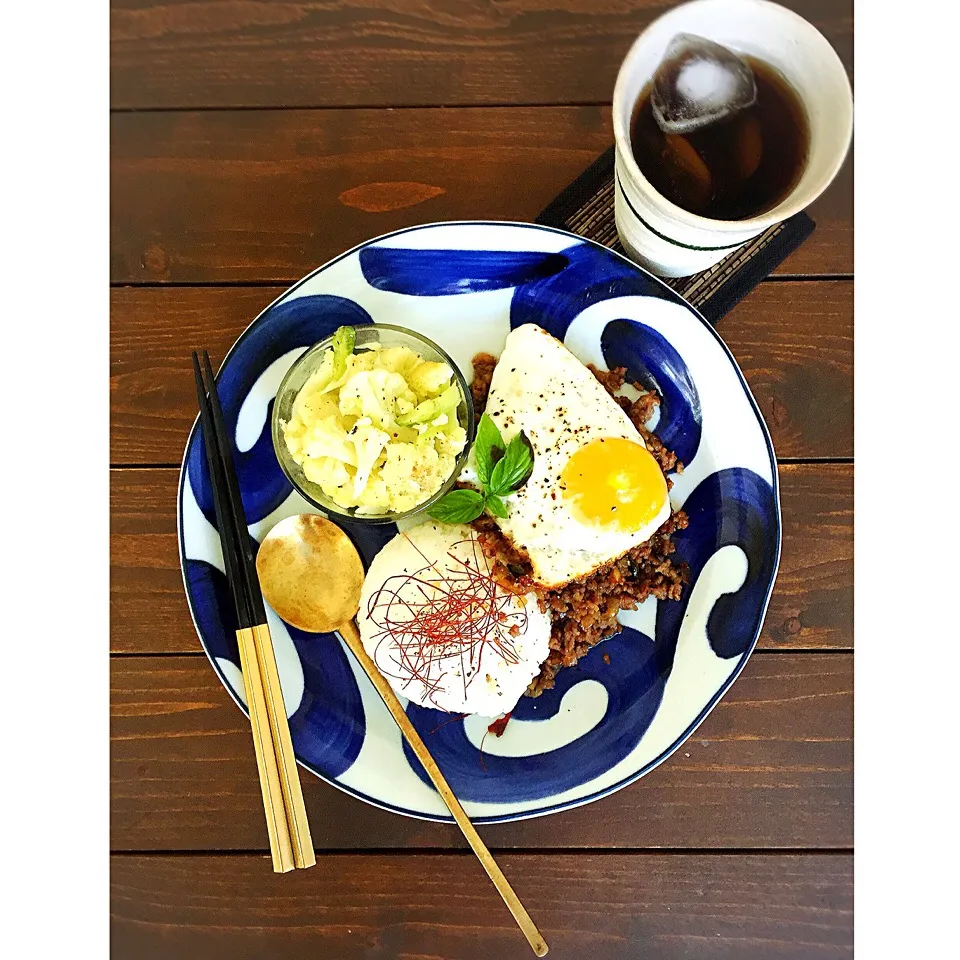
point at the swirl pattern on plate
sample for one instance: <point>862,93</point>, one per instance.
<point>465,285</point>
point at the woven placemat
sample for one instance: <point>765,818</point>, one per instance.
<point>586,208</point>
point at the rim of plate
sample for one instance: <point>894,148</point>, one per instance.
<point>714,700</point>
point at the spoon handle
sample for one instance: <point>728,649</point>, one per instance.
<point>351,636</point>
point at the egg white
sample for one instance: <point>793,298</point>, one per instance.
<point>541,388</point>
<point>498,683</point>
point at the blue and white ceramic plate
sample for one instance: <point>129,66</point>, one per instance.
<point>464,285</point>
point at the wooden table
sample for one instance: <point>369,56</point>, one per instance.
<point>251,141</point>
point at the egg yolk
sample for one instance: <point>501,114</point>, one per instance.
<point>615,483</point>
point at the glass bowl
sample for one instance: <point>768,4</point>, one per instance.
<point>386,335</point>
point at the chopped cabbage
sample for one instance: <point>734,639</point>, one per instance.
<point>344,341</point>
<point>313,403</point>
<point>430,409</point>
<point>379,433</point>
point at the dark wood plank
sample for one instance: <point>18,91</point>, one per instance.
<point>190,53</point>
<point>794,344</point>
<point>607,907</point>
<point>812,602</point>
<point>793,341</point>
<point>148,607</point>
<point>811,608</point>
<point>770,767</point>
<point>269,195</point>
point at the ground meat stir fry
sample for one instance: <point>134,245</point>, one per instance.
<point>483,364</point>
<point>585,612</point>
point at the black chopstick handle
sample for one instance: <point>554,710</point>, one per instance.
<point>248,571</point>
<point>231,561</point>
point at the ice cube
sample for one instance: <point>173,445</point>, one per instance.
<point>699,82</point>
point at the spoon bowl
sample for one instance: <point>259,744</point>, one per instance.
<point>310,573</point>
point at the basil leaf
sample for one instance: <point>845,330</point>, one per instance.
<point>496,506</point>
<point>458,506</point>
<point>487,447</point>
<point>513,469</point>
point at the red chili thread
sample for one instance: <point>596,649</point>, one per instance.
<point>452,618</point>
<point>450,719</point>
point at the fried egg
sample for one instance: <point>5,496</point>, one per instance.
<point>441,631</point>
<point>595,490</point>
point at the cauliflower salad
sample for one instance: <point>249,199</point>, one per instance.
<point>378,429</point>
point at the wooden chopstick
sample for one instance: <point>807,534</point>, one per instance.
<point>351,636</point>
<point>287,826</point>
<point>297,823</point>
<point>268,762</point>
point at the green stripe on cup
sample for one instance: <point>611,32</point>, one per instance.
<point>657,233</point>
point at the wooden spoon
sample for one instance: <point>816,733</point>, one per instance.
<point>311,574</point>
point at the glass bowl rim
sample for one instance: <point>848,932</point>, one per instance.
<point>334,511</point>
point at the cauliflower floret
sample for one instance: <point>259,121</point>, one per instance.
<point>397,470</point>
<point>375,498</point>
<point>454,441</point>
<point>313,403</point>
<point>445,465</point>
<point>429,379</point>
<point>450,440</point>
<point>366,360</point>
<point>328,438</point>
<point>332,476</point>
<point>413,473</point>
<point>425,467</point>
<point>368,442</point>
<point>444,434</point>
<point>292,430</point>
<point>404,407</point>
<point>373,394</point>
<point>400,360</point>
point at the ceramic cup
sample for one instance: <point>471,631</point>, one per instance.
<point>665,238</point>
